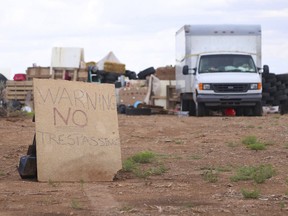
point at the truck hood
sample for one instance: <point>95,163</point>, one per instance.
<point>228,77</point>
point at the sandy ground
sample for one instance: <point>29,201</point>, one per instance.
<point>189,148</point>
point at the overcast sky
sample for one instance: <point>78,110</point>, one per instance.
<point>140,33</point>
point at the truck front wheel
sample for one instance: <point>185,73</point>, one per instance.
<point>258,111</point>
<point>188,105</point>
<point>200,109</point>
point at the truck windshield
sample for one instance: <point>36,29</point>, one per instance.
<point>226,63</point>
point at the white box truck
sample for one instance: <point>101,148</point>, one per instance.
<point>218,68</point>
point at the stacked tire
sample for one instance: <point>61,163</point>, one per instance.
<point>269,90</point>
<point>275,91</point>
<point>283,106</point>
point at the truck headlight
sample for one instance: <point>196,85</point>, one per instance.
<point>255,86</point>
<point>204,86</point>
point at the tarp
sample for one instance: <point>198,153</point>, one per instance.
<point>110,57</point>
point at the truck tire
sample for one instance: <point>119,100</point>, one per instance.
<point>146,72</point>
<point>184,105</point>
<point>282,77</point>
<point>200,110</point>
<point>258,110</point>
<point>188,105</point>
<point>192,108</point>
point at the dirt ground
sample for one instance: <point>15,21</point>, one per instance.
<point>189,147</point>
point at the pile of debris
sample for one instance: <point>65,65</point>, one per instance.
<point>153,88</point>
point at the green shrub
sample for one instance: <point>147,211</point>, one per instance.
<point>258,174</point>
<point>133,164</point>
<point>250,194</point>
<point>129,165</point>
<point>143,157</point>
<point>249,140</point>
<point>257,146</point>
<point>76,205</point>
<point>252,143</point>
<point>210,176</point>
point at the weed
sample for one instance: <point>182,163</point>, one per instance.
<point>52,183</point>
<point>257,146</point>
<point>141,173</point>
<point>286,145</point>
<point>258,174</point>
<point>2,173</point>
<point>166,156</point>
<point>75,204</point>
<point>189,205</point>
<point>143,157</point>
<point>195,157</point>
<point>252,143</point>
<point>223,169</point>
<point>232,145</point>
<point>82,183</point>
<point>250,194</point>
<point>217,169</point>
<point>210,176</point>
<point>126,209</point>
<point>249,140</point>
<point>158,170</point>
<point>133,164</point>
<point>179,142</point>
<point>282,205</point>
<point>129,165</point>
<point>144,173</point>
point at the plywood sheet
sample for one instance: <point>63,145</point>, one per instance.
<point>76,131</point>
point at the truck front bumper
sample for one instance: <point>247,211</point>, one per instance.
<point>222,100</point>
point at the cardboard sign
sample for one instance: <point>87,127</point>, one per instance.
<point>77,134</point>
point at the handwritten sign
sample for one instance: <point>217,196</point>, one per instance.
<point>77,132</point>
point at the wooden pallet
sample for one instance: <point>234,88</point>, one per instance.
<point>19,90</point>
<point>38,72</point>
<point>74,74</point>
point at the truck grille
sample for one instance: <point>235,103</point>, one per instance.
<point>233,87</point>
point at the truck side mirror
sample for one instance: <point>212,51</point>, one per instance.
<point>266,69</point>
<point>185,70</point>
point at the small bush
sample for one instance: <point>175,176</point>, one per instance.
<point>258,174</point>
<point>250,194</point>
<point>257,146</point>
<point>210,176</point>
<point>129,165</point>
<point>252,143</point>
<point>133,164</point>
<point>249,140</point>
<point>75,204</point>
<point>158,170</point>
<point>232,145</point>
<point>143,157</point>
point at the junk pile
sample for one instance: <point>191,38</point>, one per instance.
<point>153,87</point>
